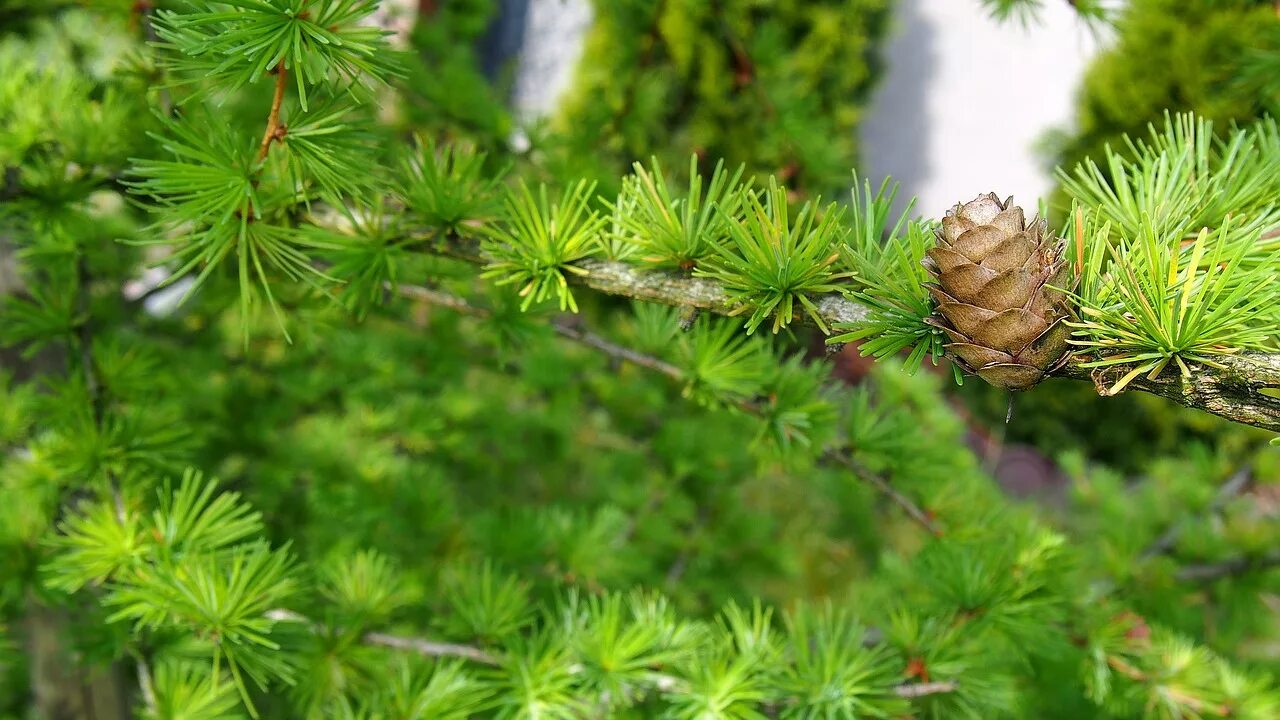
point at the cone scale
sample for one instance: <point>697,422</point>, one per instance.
<point>995,291</point>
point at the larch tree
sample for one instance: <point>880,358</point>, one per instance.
<point>413,430</point>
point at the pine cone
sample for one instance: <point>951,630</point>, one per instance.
<point>994,300</point>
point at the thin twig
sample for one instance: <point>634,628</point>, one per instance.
<point>274,131</point>
<point>1238,389</point>
<point>433,648</point>
<point>618,352</point>
<point>1238,481</point>
<point>664,683</point>
<point>421,646</point>
<point>1230,566</point>
<point>913,511</point>
<point>283,615</point>
<point>438,298</point>
<point>681,563</point>
<point>562,328</point>
<point>89,370</point>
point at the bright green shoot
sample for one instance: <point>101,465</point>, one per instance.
<point>237,42</point>
<point>836,674</point>
<point>1152,302</point>
<point>446,188</point>
<point>216,200</point>
<point>870,213</point>
<point>772,261</point>
<point>619,242</point>
<point>192,566</point>
<point>210,209</point>
<point>890,281</point>
<point>1185,178</point>
<point>797,411</point>
<point>678,232</point>
<point>721,365</point>
<point>541,242</point>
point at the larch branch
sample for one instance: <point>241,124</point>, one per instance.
<point>433,648</point>
<point>665,683</point>
<point>915,690</point>
<point>1238,391</point>
<point>1245,389</point>
<point>429,648</point>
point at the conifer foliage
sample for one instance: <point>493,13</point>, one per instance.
<point>696,521</point>
<point>777,90</point>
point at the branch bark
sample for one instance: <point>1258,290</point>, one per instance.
<point>665,683</point>
<point>274,131</point>
<point>1238,391</point>
<point>1230,566</point>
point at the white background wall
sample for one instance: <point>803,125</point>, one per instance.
<point>959,111</point>
<point>965,99</point>
<point>554,31</point>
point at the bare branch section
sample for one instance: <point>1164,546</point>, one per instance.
<point>916,690</point>
<point>664,683</point>
<point>435,649</point>
<point>666,288</point>
<point>564,329</point>
<point>430,648</point>
<point>1237,391</point>
<point>882,485</point>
